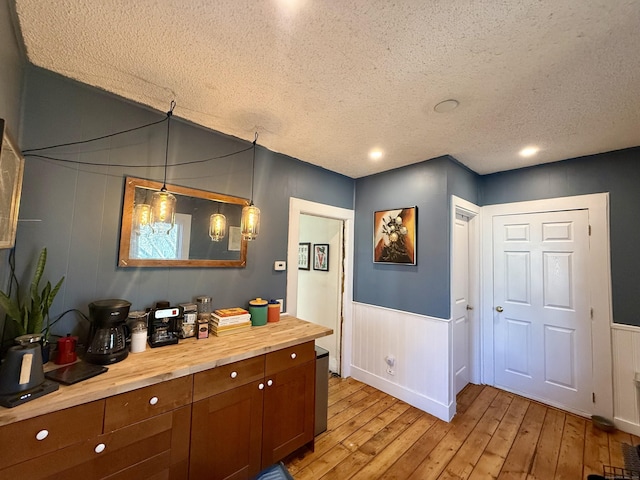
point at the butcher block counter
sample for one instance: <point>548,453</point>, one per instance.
<point>161,364</point>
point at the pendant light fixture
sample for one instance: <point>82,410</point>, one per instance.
<point>250,223</point>
<point>217,226</point>
<point>141,217</point>
<point>163,204</point>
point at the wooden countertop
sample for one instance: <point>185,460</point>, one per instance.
<point>164,363</point>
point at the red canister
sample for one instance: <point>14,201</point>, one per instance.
<point>273,314</point>
<point>66,350</point>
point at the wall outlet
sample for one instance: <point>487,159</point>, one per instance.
<point>281,302</point>
<point>279,265</point>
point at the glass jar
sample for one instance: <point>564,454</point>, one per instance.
<point>188,323</point>
<point>204,308</point>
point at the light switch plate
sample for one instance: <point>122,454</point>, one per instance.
<point>280,265</point>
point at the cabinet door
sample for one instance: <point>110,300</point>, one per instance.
<point>289,412</point>
<point>226,432</point>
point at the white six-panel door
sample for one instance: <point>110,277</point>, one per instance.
<point>460,317</point>
<point>542,325</point>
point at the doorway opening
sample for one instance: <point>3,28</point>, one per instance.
<point>300,286</point>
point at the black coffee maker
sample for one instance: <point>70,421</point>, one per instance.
<point>108,335</point>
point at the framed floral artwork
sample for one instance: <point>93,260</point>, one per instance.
<point>321,257</point>
<point>394,236</point>
<point>304,253</point>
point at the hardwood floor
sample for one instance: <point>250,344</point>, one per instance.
<point>495,434</point>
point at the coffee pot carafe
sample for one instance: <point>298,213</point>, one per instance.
<point>108,335</point>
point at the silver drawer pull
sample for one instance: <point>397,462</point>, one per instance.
<point>261,386</point>
<point>42,434</point>
<point>269,383</point>
<point>100,448</point>
<point>153,400</point>
<point>293,356</point>
<point>234,374</point>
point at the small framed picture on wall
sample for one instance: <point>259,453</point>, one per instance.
<point>321,257</point>
<point>304,253</point>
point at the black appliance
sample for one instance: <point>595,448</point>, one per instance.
<point>164,326</point>
<point>21,374</point>
<point>108,335</point>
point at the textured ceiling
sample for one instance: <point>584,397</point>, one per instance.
<point>325,81</point>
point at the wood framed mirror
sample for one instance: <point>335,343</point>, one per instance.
<point>188,243</point>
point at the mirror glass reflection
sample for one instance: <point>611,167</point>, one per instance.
<point>205,231</point>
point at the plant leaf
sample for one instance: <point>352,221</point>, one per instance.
<point>42,261</point>
<point>10,307</point>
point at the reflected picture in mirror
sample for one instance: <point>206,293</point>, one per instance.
<point>198,235</point>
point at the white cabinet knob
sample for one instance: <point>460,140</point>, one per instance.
<point>269,383</point>
<point>100,448</point>
<point>261,386</point>
<point>293,356</point>
<point>234,374</point>
<point>42,434</point>
<point>153,400</point>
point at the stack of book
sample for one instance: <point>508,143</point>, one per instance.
<point>229,320</point>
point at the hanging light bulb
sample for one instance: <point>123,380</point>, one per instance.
<point>250,222</point>
<point>217,226</point>
<point>163,210</point>
<point>141,217</point>
<point>163,204</point>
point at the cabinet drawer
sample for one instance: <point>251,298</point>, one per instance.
<point>223,378</point>
<point>290,357</point>
<point>40,435</point>
<point>143,403</point>
<point>148,446</point>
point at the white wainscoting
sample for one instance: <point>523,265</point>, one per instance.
<point>626,362</point>
<point>421,346</point>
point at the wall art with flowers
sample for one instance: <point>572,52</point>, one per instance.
<point>394,236</point>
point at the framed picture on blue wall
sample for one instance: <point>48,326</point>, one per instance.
<point>394,236</point>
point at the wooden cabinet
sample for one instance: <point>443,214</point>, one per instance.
<point>251,414</point>
<point>139,434</point>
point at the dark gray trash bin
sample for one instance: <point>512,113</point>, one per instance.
<point>322,389</point>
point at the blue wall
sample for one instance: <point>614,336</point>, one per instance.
<point>423,288</point>
<point>615,172</point>
<point>75,210</point>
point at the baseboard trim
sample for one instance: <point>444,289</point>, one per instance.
<point>429,405</point>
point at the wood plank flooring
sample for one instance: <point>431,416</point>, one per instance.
<point>495,434</point>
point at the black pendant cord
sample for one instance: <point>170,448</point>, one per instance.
<point>166,150</point>
<point>29,150</point>
<point>253,165</point>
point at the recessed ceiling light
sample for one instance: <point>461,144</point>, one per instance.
<point>529,151</point>
<point>375,154</point>
<point>446,106</point>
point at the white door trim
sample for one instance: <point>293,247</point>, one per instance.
<point>464,207</point>
<point>600,292</point>
<point>297,207</point>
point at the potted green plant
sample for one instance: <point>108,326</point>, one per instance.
<point>30,312</point>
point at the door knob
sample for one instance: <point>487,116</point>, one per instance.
<point>499,309</point>
<point>469,307</point>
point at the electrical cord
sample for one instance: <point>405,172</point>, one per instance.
<point>28,152</point>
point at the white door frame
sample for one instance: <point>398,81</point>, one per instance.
<point>600,291</point>
<point>297,207</point>
<point>468,209</point>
